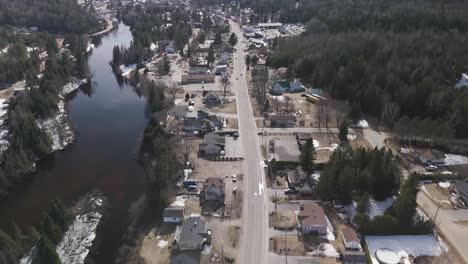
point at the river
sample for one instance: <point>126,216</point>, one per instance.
<point>109,124</point>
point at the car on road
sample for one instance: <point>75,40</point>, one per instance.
<point>235,135</point>
<point>431,168</point>
<point>234,178</point>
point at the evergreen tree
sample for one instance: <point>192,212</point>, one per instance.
<point>307,156</point>
<point>45,252</point>
<point>233,39</point>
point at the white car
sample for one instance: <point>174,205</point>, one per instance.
<point>234,178</point>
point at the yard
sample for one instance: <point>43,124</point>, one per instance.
<point>284,219</point>
<point>293,244</point>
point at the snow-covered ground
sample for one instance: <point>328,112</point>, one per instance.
<point>180,201</point>
<point>330,236</point>
<point>420,245</point>
<point>79,237</point>
<point>58,127</point>
<point>127,69</point>
<point>452,159</point>
<point>377,208</point>
<point>463,82</point>
<point>324,250</point>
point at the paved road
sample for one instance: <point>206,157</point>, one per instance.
<point>446,222</point>
<point>254,242</point>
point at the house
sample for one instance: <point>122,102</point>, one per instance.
<point>354,257</point>
<point>213,144</point>
<point>220,69</point>
<point>282,121</point>
<point>197,78</point>
<point>461,188</point>
<point>302,138</point>
<point>351,239</point>
<point>269,25</point>
<point>432,157</point>
<point>212,99</point>
<point>312,218</point>
<point>212,195</point>
<point>216,122</point>
<point>280,87</point>
<point>202,114</point>
<point>296,87</point>
<point>193,235</point>
<point>173,215</point>
<point>191,125</point>
<point>296,178</point>
<point>185,257</point>
<point>178,111</point>
<point>258,69</point>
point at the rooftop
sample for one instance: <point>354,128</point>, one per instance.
<point>349,234</point>
<point>173,212</point>
<point>312,214</point>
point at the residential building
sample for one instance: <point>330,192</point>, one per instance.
<point>185,257</point>
<point>432,157</point>
<point>282,121</point>
<point>202,114</point>
<point>213,145</point>
<point>191,125</point>
<point>211,99</point>
<point>193,235</point>
<point>198,78</point>
<point>281,87</point>
<point>296,178</point>
<point>351,239</point>
<point>461,188</point>
<point>269,25</point>
<point>212,195</point>
<point>216,122</point>
<point>354,257</point>
<point>302,138</point>
<point>312,219</point>
<point>173,215</point>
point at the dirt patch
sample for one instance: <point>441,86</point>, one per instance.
<point>284,219</point>
<point>232,123</point>
<point>233,235</point>
<point>291,243</point>
<point>155,246</point>
<point>228,107</point>
<point>280,182</point>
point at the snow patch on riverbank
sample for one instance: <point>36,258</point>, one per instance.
<point>78,239</point>
<point>58,127</point>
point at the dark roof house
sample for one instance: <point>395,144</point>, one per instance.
<point>173,215</point>
<point>354,257</point>
<point>461,188</point>
<point>213,144</point>
<point>282,121</point>
<point>193,235</point>
<point>212,195</point>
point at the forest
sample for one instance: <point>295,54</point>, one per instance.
<point>44,237</point>
<point>27,142</point>
<point>392,59</point>
<point>64,16</point>
<point>152,24</point>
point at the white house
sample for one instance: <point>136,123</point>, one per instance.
<point>173,215</point>
<point>350,239</point>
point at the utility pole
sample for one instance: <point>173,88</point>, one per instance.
<point>285,242</point>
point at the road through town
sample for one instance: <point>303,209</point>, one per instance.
<point>254,240</point>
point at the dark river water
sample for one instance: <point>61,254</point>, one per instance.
<point>109,123</point>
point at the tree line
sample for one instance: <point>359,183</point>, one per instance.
<point>390,62</point>
<point>64,16</point>
<point>27,142</point>
<point>359,172</point>
<point>42,239</point>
